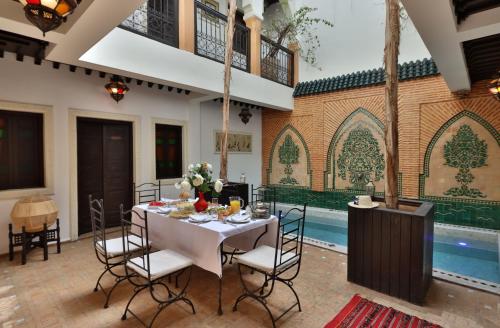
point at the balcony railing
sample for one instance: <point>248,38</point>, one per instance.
<point>210,37</point>
<point>276,62</point>
<point>157,20</point>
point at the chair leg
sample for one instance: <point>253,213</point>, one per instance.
<point>96,288</point>
<point>289,285</point>
<point>138,290</point>
<point>108,296</point>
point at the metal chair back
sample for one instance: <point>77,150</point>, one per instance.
<point>147,192</point>
<point>138,229</point>
<point>98,225</point>
<point>264,194</point>
<point>290,239</point>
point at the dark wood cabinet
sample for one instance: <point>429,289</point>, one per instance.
<point>230,189</point>
<point>390,251</point>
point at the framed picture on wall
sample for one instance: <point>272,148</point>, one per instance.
<point>237,142</point>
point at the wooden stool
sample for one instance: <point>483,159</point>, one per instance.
<point>27,242</point>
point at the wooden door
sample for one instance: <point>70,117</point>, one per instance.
<point>104,159</point>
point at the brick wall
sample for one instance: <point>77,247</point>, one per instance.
<point>425,104</point>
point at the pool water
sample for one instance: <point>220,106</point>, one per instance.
<point>454,251</point>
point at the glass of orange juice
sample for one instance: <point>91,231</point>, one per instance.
<point>236,204</point>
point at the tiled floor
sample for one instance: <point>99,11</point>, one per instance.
<point>58,293</point>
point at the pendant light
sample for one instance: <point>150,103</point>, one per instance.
<point>48,15</point>
<point>117,88</point>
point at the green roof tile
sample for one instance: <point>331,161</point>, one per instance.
<point>407,71</point>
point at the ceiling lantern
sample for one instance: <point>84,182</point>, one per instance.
<point>48,15</point>
<point>245,114</point>
<point>494,86</point>
<point>117,88</point>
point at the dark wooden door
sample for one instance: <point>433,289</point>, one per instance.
<point>104,168</point>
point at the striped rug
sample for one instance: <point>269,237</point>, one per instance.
<point>360,312</point>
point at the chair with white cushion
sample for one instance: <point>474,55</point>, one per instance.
<point>147,270</point>
<point>278,264</point>
<point>108,251</point>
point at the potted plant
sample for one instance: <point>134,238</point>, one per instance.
<point>390,246</point>
<point>199,177</point>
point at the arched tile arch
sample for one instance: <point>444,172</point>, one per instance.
<point>290,169</point>
<point>461,161</point>
<point>360,123</point>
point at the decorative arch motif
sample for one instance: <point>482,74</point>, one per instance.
<point>463,150</point>
<point>360,157</point>
<point>293,157</point>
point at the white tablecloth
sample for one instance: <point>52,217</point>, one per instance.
<point>200,242</point>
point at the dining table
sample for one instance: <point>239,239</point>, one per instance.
<point>203,242</point>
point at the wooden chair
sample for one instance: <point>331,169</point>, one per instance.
<point>147,270</point>
<point>278,264</point>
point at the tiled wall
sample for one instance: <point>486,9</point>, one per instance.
<point>427,110</point>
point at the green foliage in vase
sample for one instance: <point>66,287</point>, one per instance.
<point>288,155</point>
<point>360,160</point>
<point>465,151</point>
<point>298,28</point>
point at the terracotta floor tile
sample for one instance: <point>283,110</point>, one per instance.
<point>59,293</point>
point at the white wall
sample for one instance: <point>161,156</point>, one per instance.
<point>27,83</point>
<point>250,164</point>
<point>356,42</point>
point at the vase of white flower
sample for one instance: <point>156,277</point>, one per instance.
<point>199,177</point>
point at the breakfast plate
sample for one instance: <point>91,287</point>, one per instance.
<point>239,218</point>
<point>199,218</point>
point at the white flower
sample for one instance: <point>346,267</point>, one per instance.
<point>190,167</point>
<point>218,186</point>
<point>198,165</point>
<point>185,185</point>
<point>178,185</point>
<point>197,180</point>
<point>209,167</point>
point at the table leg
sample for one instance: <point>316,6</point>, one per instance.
<point>220,296</point>
<point>221,249</point>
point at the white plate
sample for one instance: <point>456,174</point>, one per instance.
<point>199,218</point>
<point>239,218</point>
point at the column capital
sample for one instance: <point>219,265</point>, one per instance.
<point>253,8</point>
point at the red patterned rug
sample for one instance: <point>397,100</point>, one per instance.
<point>361,312</point>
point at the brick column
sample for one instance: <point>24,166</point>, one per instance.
<point>186,25</point>
<point>254,23</point>
<point>295,48</point>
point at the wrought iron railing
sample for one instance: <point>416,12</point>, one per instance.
<point>157,20</point>
<point>276,62</point>
<point>210,37</point>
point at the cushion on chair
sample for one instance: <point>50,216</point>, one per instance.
<point>163,263</point>
<point>262,258</point>
<point>114,246</point>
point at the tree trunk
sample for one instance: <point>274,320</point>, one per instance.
<point>391,52</point>
<point>227,81</point>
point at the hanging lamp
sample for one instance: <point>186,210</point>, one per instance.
<point>48,15</point>
<point>117,88</point>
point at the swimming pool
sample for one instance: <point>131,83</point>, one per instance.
<point>459,251</point>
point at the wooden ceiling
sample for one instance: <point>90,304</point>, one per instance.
<point>465,8</point>
<point>483,59</point>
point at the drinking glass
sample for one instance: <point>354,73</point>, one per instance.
<point>236,204</point>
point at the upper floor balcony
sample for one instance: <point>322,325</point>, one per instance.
<point>160,21</point>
